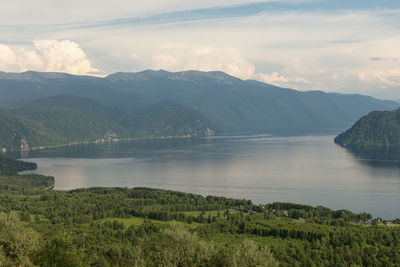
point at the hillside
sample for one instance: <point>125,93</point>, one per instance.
<point>168,118</point>
<point>11,166</point>
<point>250,106</point>
<point>65,119</point>
<point>165,118</point>
<point>17,133</point>
<point>84,104</point>
<point>233,104</point>
<point>71,124</point>
<point>378,128</point>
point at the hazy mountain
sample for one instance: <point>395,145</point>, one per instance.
<point>231,103</point>
<point>165,118</point>
<point>78,103</point>
<point>168,118</point>
<point>378,128</point>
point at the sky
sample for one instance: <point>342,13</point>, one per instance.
<point>346,46</point>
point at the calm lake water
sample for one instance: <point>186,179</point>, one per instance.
<point>302,169</point>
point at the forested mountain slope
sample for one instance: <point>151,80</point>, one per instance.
<point>67,119</point>
<point>17,133</point>
<point>377,129</point>
<point>232,104</point>
<point>72,124</point>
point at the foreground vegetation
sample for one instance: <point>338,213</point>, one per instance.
<point>152,227</point>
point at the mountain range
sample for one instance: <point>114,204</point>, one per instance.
<point>233,104</point>
<point>41,109</point>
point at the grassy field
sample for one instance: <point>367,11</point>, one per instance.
<point>137,221</point>
<point>206,213</point>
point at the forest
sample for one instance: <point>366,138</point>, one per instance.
<point>232,104</point>
<point>40,226</point>
<point>65,120</point>
<point>378,129</point>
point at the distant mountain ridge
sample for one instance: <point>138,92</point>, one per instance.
<point>234,105</point>
<point>377,129</point>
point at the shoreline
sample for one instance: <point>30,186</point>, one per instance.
<point>52,188</point>
<point>274,196</point>
<point>4,151</point>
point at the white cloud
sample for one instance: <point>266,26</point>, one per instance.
<point>177,58</point>
<point>63,56</point>
<point>298,49</point>
<point>7,57</point>
<point>273,78</point>
<point>307,51</point>
<point>46,55</point>
<point>277,79</point>
<point>228,60</point>
<point>387,78</point>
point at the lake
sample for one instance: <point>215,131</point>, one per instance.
<point>302,169</point>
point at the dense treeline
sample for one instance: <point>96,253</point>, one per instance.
<point>153,227</point>
<point>298,211</point>
<point>17,132</point>
<point>71,124</point>
<point>10,181</point>
<point>147,245</point>
<point>377,129</point>
<point>295,243</point>
<point>10,166</point>
<point>19,183</point>
<point>63,119</point>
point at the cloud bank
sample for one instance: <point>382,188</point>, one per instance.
<point>46,55</point>
<point>330,45</point>
<point>180,58</point>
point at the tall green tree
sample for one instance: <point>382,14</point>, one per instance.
<point>17,242</point>
<point>59,251</point>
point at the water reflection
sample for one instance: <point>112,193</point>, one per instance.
<point>302,169</point>
<point>384,157</point>
<point>139,148</point>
